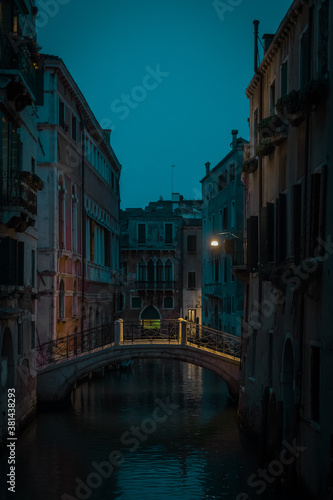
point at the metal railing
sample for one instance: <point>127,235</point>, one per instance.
<point>203,336</point>
<point>16,192</point>
<point>73,345</point>
<point>151,331</point>
<point>155,285</point>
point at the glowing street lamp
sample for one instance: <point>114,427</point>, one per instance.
<point>216,243</point>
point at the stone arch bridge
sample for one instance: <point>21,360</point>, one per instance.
<point>63,362</point>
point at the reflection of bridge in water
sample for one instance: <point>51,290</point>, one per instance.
<point>64,361</point>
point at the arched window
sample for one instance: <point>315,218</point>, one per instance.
<point>75,299</point>
<point>74,220</point>
<point>141,272</point>
<point>159,271</point>
<point>151,271</point>
<point>168,271</point>
<point>61,299</point>
<point>61,213</point>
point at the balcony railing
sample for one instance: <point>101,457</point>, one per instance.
<point>17,191</point>
<point>98,273</point>
<point>213,289</point>
<point>16,55</point>
<point>155,285</point>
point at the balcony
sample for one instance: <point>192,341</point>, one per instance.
<point>19,57</point>
<point>19,199</point>
<point>155,285</point>
<point>214,289</point>
<point>98,273</point>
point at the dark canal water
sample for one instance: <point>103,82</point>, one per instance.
<point>167,427</point>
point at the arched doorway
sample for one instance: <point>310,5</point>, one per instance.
<point>150,318</point>
<point>7,360</point>
<point>288,391</point>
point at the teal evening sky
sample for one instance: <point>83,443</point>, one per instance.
<point>168,77</point>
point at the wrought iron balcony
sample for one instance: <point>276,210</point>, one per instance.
<point>19,56</point>
<point>155,285</point>
<point>18,194</point>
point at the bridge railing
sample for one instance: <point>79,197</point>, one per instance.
<point>203,336</point>
<point>151,331</point>
<point>74,345</point>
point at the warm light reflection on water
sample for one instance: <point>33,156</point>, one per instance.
<point>170,427</point>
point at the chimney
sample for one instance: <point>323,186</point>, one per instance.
<point>268,38</point>
<point>107,134</point>
<point>207,165</point>
<point>234,134</point>
<point>256,31</point>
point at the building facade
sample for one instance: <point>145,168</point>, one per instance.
<point>78,250</point>
<point>161,261</point>
<point>20,94</point>
<point>223,212</point>
<point>288,173</point>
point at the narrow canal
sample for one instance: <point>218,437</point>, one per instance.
<point>163,430</point>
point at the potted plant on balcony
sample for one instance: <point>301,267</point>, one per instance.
<point>312,94</point>
<point>33,180</point>
<point>250,165</point>
<point>265,147</point>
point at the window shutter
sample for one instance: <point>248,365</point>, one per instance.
<point>252,243</point>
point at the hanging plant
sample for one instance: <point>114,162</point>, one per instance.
<point>250,165</point>
<point>288,104</point>
<point>265,147</point>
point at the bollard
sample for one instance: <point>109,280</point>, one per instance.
<point>182,331</point>
<point>118,331</point>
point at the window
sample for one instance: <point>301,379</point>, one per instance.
<point>191,279</point>
<point>141,234</point>
<point>168,229</point>
<point>61,113</point>
<point>33,268</point>
<point>33,165</point>
<point>232,172</point>
<point>297,221</point>
<point>74,128</point>
<point>317,211</point>
<point>61,300</point>
<point>33,335</point>
<point>112,180</point>
<point>216,270</point>
<point>74,220</point>
<point>20,339</point>
<point>151,271</point>
<point>75,308</point>
<point>233,214</point>
<point>304,59</point>
<point>272,99</point>
<point>159,271</point>
<point>232,304</point>
<point>252,243</point>
<point>225,219</point>
<point>136,302</point>
<point>323,39</point>
<point>284,79</point>
<point>142,272</point>
<point>168,303</point>
<point>225,270</point>
<point>168,271</point>
<point>61,213</point>
<point>315,383</point>
<point>222,180</point>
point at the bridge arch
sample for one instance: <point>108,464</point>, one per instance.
<point>55,384</point>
